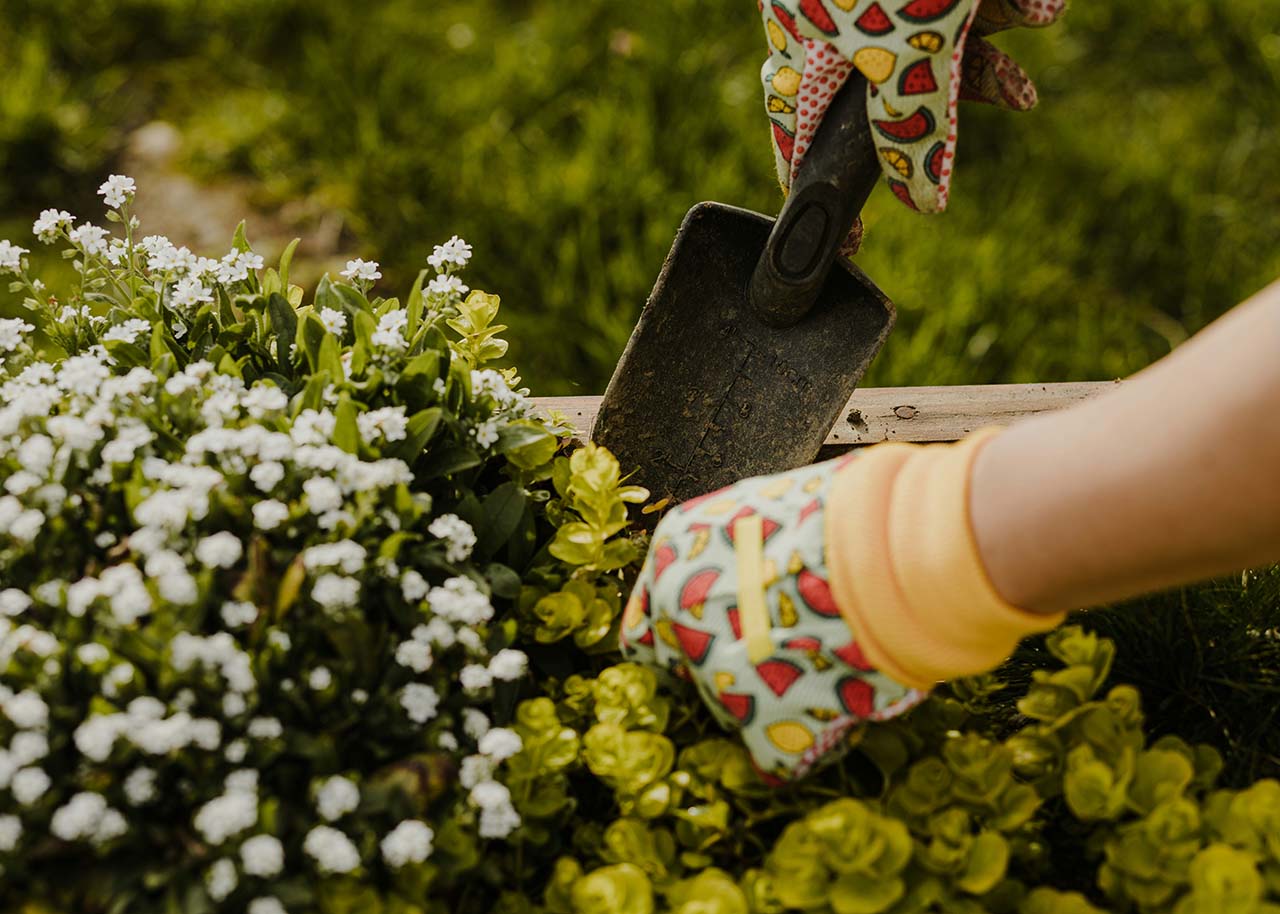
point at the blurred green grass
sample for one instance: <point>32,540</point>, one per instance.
<point>1140,201</point>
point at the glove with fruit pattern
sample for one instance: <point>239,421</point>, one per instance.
<point>919,57</point>
<point>734,596</point>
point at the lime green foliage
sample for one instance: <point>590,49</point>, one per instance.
<point>1084,239</point>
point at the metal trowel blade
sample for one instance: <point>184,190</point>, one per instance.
<point>706,394</point>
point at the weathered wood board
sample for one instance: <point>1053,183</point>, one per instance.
<point>919,414</point>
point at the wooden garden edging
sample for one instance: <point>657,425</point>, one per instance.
<point>921,414</point>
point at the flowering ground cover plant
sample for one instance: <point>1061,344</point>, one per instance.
<point>303,609</point>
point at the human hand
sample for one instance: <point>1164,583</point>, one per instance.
<point>919,57</point>
<point>735,596</point>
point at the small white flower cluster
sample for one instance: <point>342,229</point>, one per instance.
<point>197,529</point>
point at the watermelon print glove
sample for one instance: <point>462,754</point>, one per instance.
<point>920,57</point>
<point>734,596</point>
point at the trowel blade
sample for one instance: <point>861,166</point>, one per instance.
<point>705,394</point>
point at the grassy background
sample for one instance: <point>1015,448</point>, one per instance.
<point>566,140</point>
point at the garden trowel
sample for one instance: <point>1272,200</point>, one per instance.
<point>756,334</point>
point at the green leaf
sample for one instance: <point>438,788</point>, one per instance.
<point>527,444</point>
<point>346,430</point>
<point>418,431</point>
<point>325,296</point>
<point>311,335</point>
<point>857,893</point>
<point>284,321</point>
<point>988,860</point>
<point>503,581</point>
<point>448,460</point>
<point>239,241</point>
<point>414,305</point>
<point>503,509</point>
<point>330,357</point>
<point>286,260</point>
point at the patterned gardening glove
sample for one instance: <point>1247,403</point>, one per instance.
<point>734,596</point>
<point>919,57</point>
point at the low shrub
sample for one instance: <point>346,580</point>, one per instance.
<point>305,609</point>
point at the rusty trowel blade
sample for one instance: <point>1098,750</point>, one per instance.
<point>705,394</point>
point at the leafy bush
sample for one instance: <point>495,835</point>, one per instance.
<point>304,609</point>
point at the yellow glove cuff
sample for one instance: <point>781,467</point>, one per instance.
<point>905,567</point>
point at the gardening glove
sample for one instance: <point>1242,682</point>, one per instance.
<point>919,57</point>
<point>806,603</point>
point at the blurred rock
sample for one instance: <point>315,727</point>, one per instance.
<point>204,215</point>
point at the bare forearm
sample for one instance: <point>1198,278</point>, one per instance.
<point>1171,478</point>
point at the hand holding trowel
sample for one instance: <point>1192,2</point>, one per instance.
<point>804,600</point>
<point>756,333</point>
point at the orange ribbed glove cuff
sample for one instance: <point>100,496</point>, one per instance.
<point>906,570</point>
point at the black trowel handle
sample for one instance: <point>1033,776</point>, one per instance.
<point>837,176</point>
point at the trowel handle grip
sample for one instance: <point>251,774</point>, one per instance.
<point>835,179</point>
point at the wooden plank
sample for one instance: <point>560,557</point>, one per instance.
<point>919,414</point>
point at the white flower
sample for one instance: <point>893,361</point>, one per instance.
<point>486,433</point>
<point>85,816</point>
<point>92,653</point>
<point>51,221</point>
<point>28,747</point>
<point>322,494</point>
<point>90,238</point>
<point>265,728</point>
<point>11,257</point>
<point>333,591</point>
<point>414,586</point>
<point>233,705</point>
<point>117,190</point>
<point>437,630</point>
<point>334,321</point>
<point>361,270</point>
<point>447,741</point>
<point>408,842</point>
<point>336,797</point>
<point>96,735</point>
<point>420,702</point>
<point>332,851</point>
<point>13,602</point>
<point>262,855</point>
<point>390,332</point>
<point>500,744</point>
<point>267,904</point>
<point>219,550</point>
<point>508,664</point>
<point>475,677</point>
<point>189,293</point>
<point>263,399</point>
<point>270,513</point>
<point>454,251</point>
<point>29,785</point>
<point>475,722</point>
<point>320,678</point>
<point>221,879</point>
<point>458,536</point>
<point>12,332</point>
<point>222,817</point>
<point>498,821</point>
<point>447,285</point>
<point>474,769</point>
<point>27,710</point>
<point>416,655</point>
<point>11,833</point>
<point>236,613</point>
<point>347,555</point>
<point>128,331</point>
<point>27,525</point>
<point>267,475</point>
<point>386,424</point>
<point>140,786</point>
